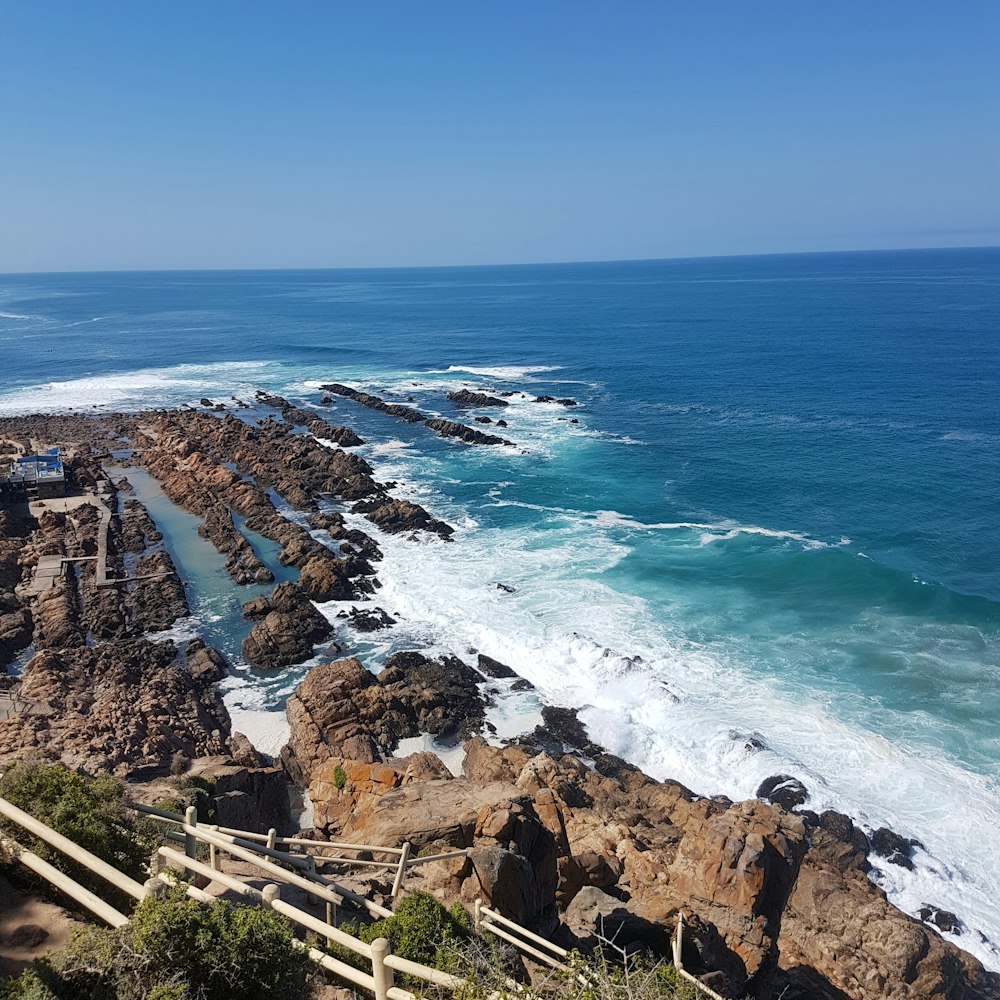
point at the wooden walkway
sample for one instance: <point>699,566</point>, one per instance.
<point>50,569</point>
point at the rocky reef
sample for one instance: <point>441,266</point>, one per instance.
<point>776,903</point>
<point>560,835</point>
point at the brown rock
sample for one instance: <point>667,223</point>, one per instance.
<point>287,633</point>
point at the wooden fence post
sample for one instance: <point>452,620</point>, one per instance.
<point>311,870</point>
<point>676,943</point>
<point>153,887</point>
<point>270,893</point>
<point>477,916</point>
<point>272,838</point>
<point>401,871</point>
<point>190,840</point>
<point>381,973</point>
<point>213,857</point>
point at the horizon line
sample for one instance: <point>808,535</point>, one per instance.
<point>538,263</point>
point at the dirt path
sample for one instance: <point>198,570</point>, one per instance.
<point>29,927</point>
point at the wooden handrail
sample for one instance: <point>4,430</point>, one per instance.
<point>73,851</point>
<point>64,883</point>
<point>675,945</point>
<point>312,883</point>
<point>517,928</point>
<point>247,847</point>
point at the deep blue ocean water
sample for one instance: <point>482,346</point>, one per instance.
<point>776,516</point>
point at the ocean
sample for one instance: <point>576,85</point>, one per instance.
<point>765,541</point>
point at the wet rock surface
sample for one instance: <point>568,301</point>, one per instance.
<point>287,632</point>
<point>465,397</point>
<point>783,790</point>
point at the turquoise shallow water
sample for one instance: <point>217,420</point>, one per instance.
<point>776,515</point>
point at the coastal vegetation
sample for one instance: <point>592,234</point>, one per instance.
<point>178,949</point>
<point>174,949</point>
<point>92,812</point>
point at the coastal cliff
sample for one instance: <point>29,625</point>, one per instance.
<point>563,837</point>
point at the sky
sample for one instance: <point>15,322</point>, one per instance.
<point>337,134</point>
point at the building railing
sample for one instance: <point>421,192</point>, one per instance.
<point>262,851</point>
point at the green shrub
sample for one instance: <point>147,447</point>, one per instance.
<point>175,949</point>
<point>92,812</point>
<point>421,930</point>
<point>339,776</point>
<point>28,986</point>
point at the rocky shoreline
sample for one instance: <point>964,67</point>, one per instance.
<point>564,837</point>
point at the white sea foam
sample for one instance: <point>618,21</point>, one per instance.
<point>672,706</point>
<point>509,373</point>
<point>451,757</point>
<point>135,389</point>
<point>391,447</point>
<point>708,531</point>
<point>7,315</point>
<point>253,714</point>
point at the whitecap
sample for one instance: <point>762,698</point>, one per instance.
<point>134,390</point>
<point>508,373</point>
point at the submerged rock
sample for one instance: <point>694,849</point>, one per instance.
<point>783,790</point>
<point>943,920</point>
<point>895,849</point>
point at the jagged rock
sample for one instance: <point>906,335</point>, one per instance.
<point>126,707</point>
<point>841,937</point>
<point>594,916</point>
<point>944,920</point>
<point>344,792</point>
<point>205,663</point>
<point>451,429</point>
<point>247,798</point>
<point>369,619</point>
<point>324,719</point>
<point>514,862</point>
<point>287,633</point>
<point>256,608</point>
<point>493,668</point>
<point>552,399</point>
<point>243,752</point>
<point>342,710</point>
<point>465,397</point>
<point>895,849</point>
<point>326,578</point>
<point>783,790</point>
<point>399,516</point>
<point>160,601</point>
<point>440,811</point>
<point>374,403</point>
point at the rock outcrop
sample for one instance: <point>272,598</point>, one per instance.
<point>451,429</point>
<point>341,710</point>
<point>465,397</point>
<point>287,632</point>
<point>773,905</point>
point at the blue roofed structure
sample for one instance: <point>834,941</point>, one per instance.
<point>34,477</point>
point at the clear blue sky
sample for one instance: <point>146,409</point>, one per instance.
<point>312,134</point>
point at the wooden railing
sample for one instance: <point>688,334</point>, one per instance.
<point>533,945</point>
<point>675,944</point>
<point>303,853</point>
<point>262,851</point>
